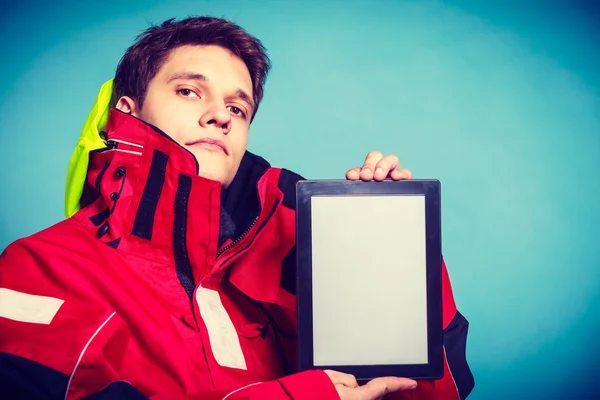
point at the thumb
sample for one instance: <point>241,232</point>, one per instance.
<point>379,387</point>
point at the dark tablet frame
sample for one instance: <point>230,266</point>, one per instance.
<point>434,368</point>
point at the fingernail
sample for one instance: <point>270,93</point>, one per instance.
<point>379,171</point>
<point>413,386</point>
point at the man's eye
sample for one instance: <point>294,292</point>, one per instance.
<point>237,111</point>
<point>187,93</point>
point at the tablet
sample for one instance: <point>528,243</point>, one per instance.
<point>369,278</point>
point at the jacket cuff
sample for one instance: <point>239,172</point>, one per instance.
<point>313,385</point>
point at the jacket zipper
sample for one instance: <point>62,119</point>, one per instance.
<point>219,253</point>
<point>230,245</point>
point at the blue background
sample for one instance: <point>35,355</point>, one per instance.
<point>498,100</point>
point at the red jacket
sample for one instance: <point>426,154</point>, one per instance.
<point>141,295</point>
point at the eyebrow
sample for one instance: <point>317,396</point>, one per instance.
<point>188,76</point>
<point>202,78</point>
<point>244,96</point>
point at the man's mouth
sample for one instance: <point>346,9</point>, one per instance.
<point>209,144</point>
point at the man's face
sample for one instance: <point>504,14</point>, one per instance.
<point>202,98</point>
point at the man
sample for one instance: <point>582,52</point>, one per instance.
<point>174,278</point>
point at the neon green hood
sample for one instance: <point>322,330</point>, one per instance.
<point>89,140</point>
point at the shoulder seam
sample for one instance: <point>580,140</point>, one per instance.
<point>83,352</point>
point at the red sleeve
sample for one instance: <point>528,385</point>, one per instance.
<point>308,385</point>
<point>71,343</point>
<point>49,324</point>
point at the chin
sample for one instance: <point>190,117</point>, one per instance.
<point>213,175</point>
<point>216,167</point>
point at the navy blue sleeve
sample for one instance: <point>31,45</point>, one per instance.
<point>287,185</point>
<point>118,390</point>
<point>455,343</point>
<point>24,379</point>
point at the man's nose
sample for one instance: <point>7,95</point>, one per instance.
<point>218,117</point>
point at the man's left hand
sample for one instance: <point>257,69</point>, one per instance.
<point>378,167</point>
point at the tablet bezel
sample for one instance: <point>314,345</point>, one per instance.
<point>431,189</point>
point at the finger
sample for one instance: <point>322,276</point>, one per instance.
<point>347,393</point>
<point>379,387</point>
<point>401,174</point>
<point>353,174</point>
<point>368,168</point>
<point>340,378</point>
<point>386,165</point>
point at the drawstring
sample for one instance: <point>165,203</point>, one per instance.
<point>287,368</point>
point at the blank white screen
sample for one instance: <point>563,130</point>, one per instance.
<point>369,280</point>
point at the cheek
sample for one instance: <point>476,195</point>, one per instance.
<point>240,144</point>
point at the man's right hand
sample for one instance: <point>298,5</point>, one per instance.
<point>375,389</point>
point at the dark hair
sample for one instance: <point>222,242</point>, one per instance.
<point>143,59</point>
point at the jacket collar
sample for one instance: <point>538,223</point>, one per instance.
<point>144,197</point>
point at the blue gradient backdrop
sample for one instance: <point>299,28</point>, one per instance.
<point>498,100</point>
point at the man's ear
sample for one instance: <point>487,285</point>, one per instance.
<point>127,105</point>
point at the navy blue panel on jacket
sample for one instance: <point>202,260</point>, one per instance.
<point>118,390</point>
<point>455,342</point>
<point>22,379</point>
<point>287,184</point>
